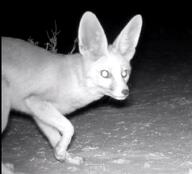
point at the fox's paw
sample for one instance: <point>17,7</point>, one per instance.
<point>77,160</point>
<point>60,155</point>
<point>65,156</point>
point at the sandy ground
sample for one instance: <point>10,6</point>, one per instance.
<point>149,133</point>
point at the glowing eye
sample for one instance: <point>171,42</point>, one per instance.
<point>105,74</point>
<point>124,73</point>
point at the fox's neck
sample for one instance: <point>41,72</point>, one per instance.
<point>81,80</point>
<point>79,92</point>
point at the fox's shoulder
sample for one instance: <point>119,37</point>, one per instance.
<point>19,52</point>
<point>22,57</point>
<point>25,60</point>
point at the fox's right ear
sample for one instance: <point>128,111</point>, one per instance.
<point>91,36</point>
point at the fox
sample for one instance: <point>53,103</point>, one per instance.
<point>49,86</point>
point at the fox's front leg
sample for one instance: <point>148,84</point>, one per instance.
<point>56,127</point>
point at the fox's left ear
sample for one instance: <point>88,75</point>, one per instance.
<point>127,40</point>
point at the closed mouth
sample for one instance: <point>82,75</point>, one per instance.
<point>121,97</point>
<point>118,97</point>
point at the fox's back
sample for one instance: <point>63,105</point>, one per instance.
<point>20,55</point>
<point>27,69</point>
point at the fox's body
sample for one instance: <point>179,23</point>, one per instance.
<point>30,70</point>
<point>48,86</point>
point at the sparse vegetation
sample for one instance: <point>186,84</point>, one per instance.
<point>74,46</point>
<point>52,44</point>
<point>31,40</point>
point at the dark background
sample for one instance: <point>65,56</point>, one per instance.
<point>161,20</point>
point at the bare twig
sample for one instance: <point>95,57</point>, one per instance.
<point>52,44</point>
<point>32,41</point>
<point>74,45</point>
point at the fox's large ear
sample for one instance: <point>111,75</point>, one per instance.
<point>127,40</point>
<point>92,39</point>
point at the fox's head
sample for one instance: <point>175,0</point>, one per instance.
<point>108,67</point>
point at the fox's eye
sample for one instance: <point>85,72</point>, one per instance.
<point>105,74</point>
<point>124,73</point>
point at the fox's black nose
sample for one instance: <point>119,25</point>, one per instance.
<point>125,92</point>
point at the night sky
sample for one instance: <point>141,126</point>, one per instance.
<point>160,20</point>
